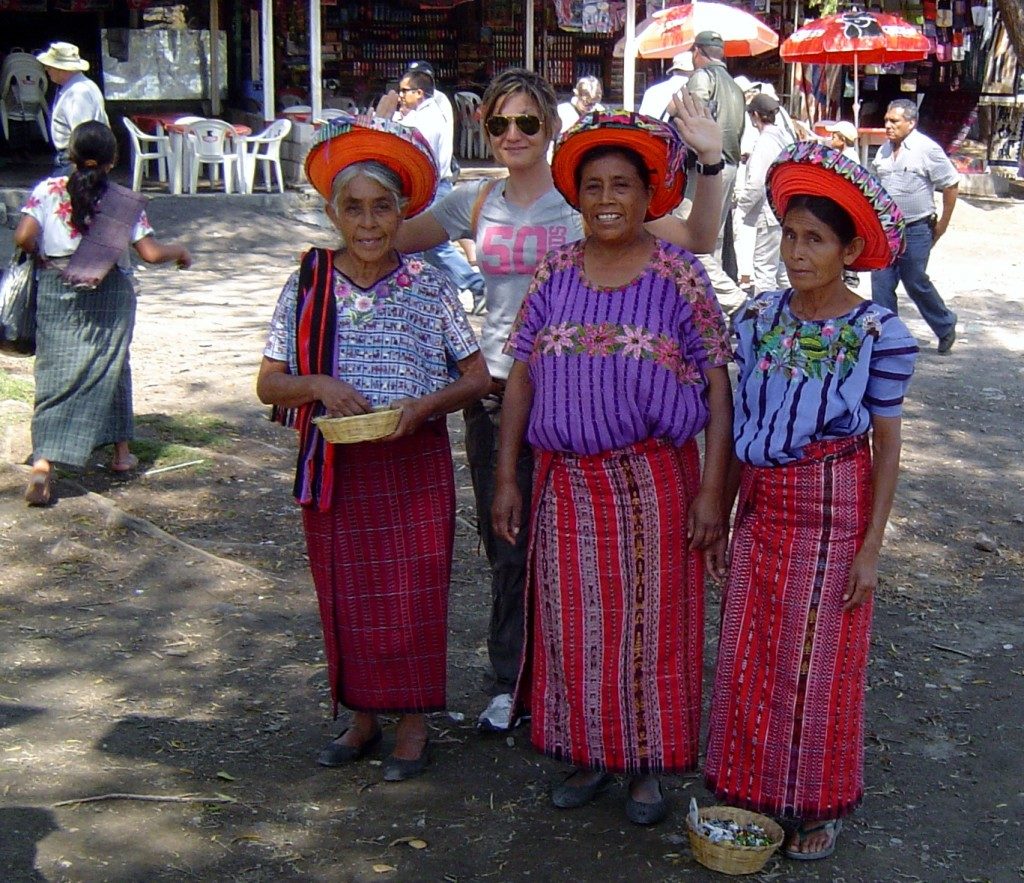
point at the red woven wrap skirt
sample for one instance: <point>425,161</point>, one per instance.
<point>787,711</point>
<point>615,610</point>
<point>381,560</point>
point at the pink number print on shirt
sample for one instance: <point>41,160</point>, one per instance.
<point>508,250</point>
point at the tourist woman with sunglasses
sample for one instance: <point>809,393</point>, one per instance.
<point>514,222</point>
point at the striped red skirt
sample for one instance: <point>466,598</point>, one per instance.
<point>787,711</point>
<point>381,560</point>
<point>615,610</point>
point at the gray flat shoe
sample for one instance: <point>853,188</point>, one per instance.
<point>641,813</point>
<point>566,796</point>
<point>335,754</point>
<point>398,770</point>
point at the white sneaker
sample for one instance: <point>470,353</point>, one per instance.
<point>497,716</point>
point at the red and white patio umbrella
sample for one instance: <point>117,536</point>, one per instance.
<point>856,37</point>
<point>672,30</point>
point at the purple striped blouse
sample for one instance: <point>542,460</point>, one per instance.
<point>611,367</point>
<point>802,381</point>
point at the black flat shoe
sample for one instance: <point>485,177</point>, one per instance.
<point>642,813</point>
<point>566,796</point>
<point>398,770</point>
<point>336,754</point>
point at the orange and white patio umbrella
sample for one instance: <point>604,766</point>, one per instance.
<point>672,30</point>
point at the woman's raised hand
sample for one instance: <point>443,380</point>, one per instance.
<point>699,130</point>
<point>340,398</point>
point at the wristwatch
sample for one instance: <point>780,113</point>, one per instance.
<point>709,168</point>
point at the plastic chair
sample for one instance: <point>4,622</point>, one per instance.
<point>263,148</point>
<point>207,146</point>
<point>24,94</point>
<point>472,140</point>
<point>146,149</point>
<point>342,102</point>
<point>332,113</point>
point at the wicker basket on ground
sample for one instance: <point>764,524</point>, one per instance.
<point>730,858</point>
<point>379,423</point>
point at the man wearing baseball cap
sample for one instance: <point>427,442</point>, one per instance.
<point>712,84</point>
<point>658,97</point>
<point>78,99</point>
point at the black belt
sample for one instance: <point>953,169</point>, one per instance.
<point>927,219</point>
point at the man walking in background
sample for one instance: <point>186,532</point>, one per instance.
<point>712,83</point>
<point>78,100</point>
<point>658,97</point>
<point>415,105</point>
<point>912,167</point>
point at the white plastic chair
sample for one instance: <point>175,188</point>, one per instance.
<point>24,95</point>
<point>472,140</point>
<point>342,102</point>
<point>146,149</point>
<point>332,113</point>
<point>263,148</point>
<point>207,146</point>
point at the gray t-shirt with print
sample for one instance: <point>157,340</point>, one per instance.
<point>510,241</point>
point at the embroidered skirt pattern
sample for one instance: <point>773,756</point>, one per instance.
<point>381,560</point>
<point>615,610</point>
<point>787,711</point>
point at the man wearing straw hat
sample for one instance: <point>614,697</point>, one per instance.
<point>78,99</point>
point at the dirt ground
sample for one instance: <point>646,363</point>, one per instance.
<point>159,636</point>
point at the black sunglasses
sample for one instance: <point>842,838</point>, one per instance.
<point>526,123</point>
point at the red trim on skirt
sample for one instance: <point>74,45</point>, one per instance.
<point>787,711</point>
<point>614,604</point>
<point>381,561</point>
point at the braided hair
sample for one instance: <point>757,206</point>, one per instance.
<point>92,150</point>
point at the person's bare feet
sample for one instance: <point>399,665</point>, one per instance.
<point>39,491</point>
<point>410,737</point>
<point>814,839</point>
<point>362,729</point>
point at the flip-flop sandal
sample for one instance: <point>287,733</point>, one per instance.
<point>129,465</point>
<point>832,828</point>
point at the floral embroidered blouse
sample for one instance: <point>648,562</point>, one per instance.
<point>612,367</point>
<point>802,381</point>
<point>400,338</point>
<point>50,205</point>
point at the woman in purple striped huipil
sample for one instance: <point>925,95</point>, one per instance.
<point>821,371</point>
<point>620,351</point>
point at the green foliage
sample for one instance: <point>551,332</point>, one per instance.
<point>826,7</point>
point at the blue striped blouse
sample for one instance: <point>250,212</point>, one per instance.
<point>802,381</point>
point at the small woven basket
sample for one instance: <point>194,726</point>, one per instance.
<point>379,423</point>
<point>729,858</point>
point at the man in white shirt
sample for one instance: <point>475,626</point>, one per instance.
<point>78,100</point>
<point>657,97</point>
<point>414,104</point>
<point>912,167</point>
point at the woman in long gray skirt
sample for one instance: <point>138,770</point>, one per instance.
<point>79,227</point>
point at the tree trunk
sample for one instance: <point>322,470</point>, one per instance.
<point>1012,14</point>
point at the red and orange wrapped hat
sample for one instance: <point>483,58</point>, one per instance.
<point>659,145</point>
<point>349,139</point>
<point>809,168</point>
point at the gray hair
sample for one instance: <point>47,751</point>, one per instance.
<point>908,107</point>
<point>376,172</point>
